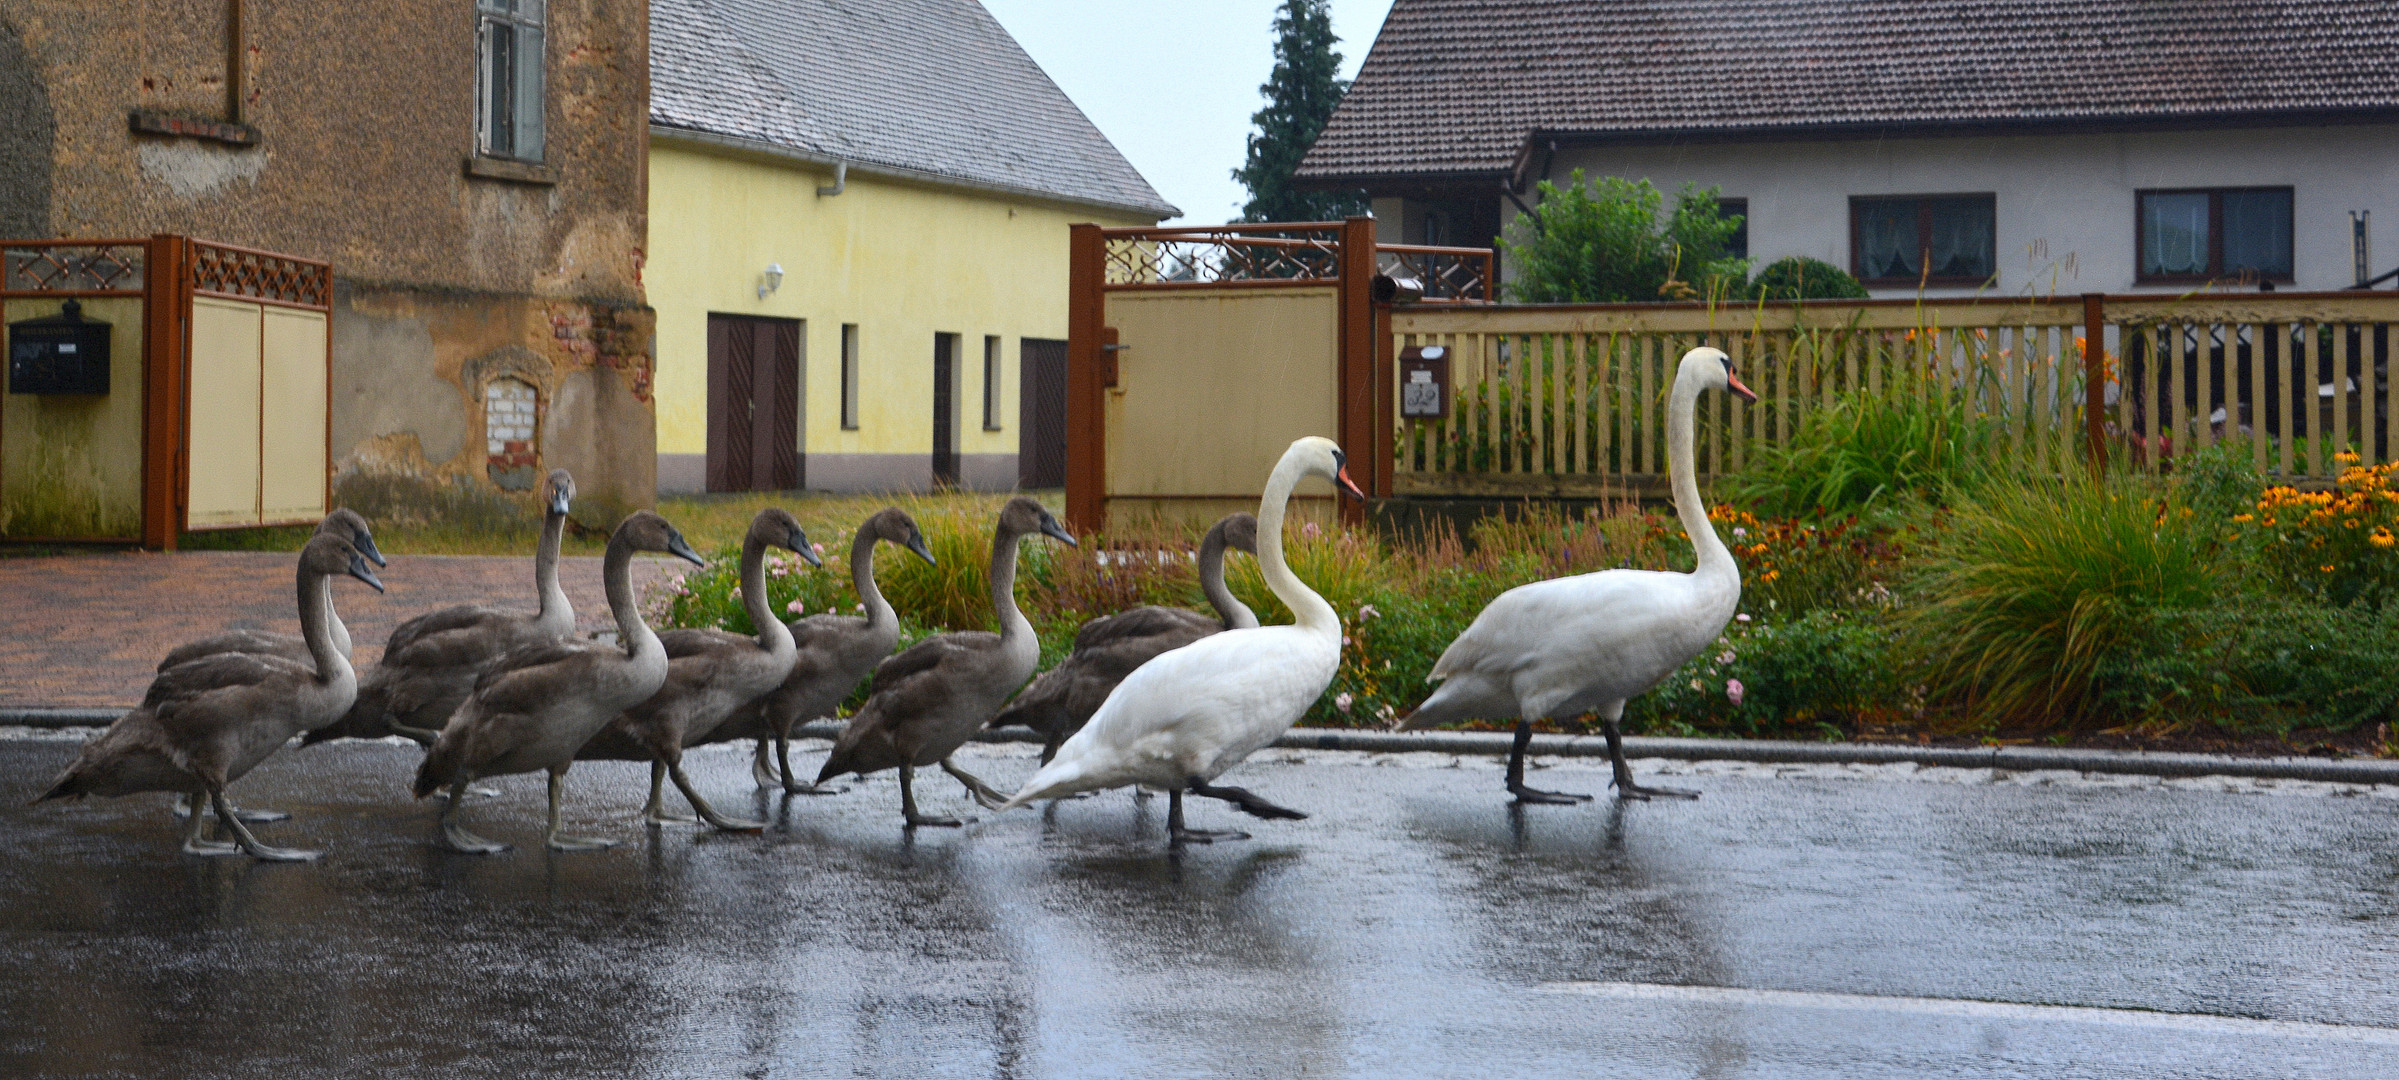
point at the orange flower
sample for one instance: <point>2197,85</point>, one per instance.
<point>2381,537</point>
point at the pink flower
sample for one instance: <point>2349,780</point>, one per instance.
<point>1310,530</point>
<point>795,608</point>
<point>820,548</point>
<point>1742,617</point>
<point>1733,690</point>
<point>1342,701</point>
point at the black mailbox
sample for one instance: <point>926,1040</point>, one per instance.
<point>58,354</point>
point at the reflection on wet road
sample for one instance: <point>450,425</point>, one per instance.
<point>1416,926</point>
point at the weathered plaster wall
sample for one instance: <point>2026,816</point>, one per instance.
<point>366,119</point>
<point>902,262</point>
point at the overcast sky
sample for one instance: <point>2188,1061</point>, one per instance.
<point>1173,82</point>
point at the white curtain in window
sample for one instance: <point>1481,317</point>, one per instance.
<point>1961,238</point>
<point>2257,232</point>
<point>2174,233</point>
<point>1887,237</point>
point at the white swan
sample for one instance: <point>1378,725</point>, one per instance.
<point>1182,719</point>
<point>1589,643</point>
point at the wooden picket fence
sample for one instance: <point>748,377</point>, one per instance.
<point>1567,401</point>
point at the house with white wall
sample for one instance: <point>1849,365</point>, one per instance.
<point>1949,146</point>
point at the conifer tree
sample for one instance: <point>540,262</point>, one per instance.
<point>1300,96</point>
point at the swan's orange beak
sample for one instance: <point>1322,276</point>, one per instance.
<point>1734,381</point>
<point>1348,487</point>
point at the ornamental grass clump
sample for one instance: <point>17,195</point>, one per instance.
<point>1867,450</point>
<point>2338,546</point>
<point>2030,587</point>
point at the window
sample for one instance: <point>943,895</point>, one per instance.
<point>1934,239</point>
<point>1738,246</point>
<point>991,382</point>
<point>2227,232</point>
<point>508,78</point>
<point>849,376</point>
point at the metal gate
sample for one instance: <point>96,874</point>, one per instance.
<point>215,409</point>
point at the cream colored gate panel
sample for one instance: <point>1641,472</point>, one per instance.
<point>224,416</point>
<point>1212,386</point>
<point>291,469</point>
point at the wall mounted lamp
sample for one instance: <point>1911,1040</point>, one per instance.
<point>772,280</point>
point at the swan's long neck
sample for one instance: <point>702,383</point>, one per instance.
<point>557,612</point>
<point>316,629</point>
<point>773,636</point>
<point>617,571</point>
<point>1310,610</point>
<point>1236,615</point>
<point>1715,562</point>
<point>341,634</point>
<point>1013,626</point>
<point>879,615</point>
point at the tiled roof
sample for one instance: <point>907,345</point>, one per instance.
<point>1456,87</point>
<point>932,87</point>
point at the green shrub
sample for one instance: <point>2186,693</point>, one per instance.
<point>1800,679</point>
<point>1604,242</point>
<point>2030,588</point>
<point>1801,278</point>
<point>2259,663</point>
<point>1867,449</point>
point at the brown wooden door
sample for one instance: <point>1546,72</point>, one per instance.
<point>945,409</point>
<point>754,404</point>
<point>1041,414</point>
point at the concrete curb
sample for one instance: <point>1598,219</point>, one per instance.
<point>1492,743</point>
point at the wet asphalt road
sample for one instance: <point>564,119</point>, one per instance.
<point>1415,927</point>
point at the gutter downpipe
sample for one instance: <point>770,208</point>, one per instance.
<point>841,179</point>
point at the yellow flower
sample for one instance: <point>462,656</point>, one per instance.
<point>2349,524</point>
<point>2345,456</point>
<point>2327,568</point>
<point>2382,537</point>
<point>2244,517</point>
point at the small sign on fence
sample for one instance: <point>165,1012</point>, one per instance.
<point>1424,382</point>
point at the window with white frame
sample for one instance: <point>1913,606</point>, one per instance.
<point>849,376</point>
<point>991,382</point>
<point>508,78</point>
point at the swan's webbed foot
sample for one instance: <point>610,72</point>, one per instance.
<point>454,836</point>
<point>908,811</point>
<point>250,844</point>
<point>709,813</point>
<point>990,800</point>
<point>797,788</point>
<point>1249,802</point>
<point>196,841</point>
<point>1546,798</point>
<point>1626,789</point>
<point>659,816</point>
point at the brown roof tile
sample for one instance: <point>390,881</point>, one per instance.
<point>1456,87</point>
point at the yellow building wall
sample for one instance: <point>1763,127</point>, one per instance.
<point>900,261</point>
<point>71,466</point>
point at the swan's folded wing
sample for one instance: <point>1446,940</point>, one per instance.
<point>681,643</point>
<point>1142,622</point>
<point>905,665</point>
<point>448,620</point>
<point>1562,614</point>
<point>526,657</point>
<point>185,685</point>
<point>264,642</point>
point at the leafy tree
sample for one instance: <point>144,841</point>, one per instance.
<point>1300,97</point>
<point>1605,242</point>
<point>1801,278</point>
